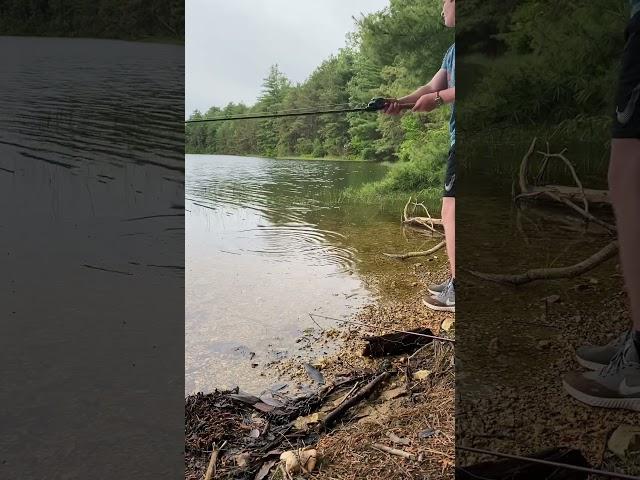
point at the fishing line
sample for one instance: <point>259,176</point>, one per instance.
<point>291,110</point>
<point>550,463</point>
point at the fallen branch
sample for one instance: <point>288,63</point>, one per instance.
<point>594,196</point>
<point>363,393</point>
<point>394,451</point>
<point>404,256</point>
<point>566,161</point>
<point>571,271</point>
<point>423,222</point>
<point>581,211</point>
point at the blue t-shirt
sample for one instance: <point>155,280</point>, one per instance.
<point>635,7</point>
<point>449,64</point>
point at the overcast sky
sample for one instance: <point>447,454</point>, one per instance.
<point>230,44</point>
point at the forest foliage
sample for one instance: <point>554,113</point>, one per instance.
<point>526,66</point>
<point>118,19</point>
<point>539,63</point>
<point>391,53</point>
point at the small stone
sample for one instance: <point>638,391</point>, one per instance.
<point>552,299</point>
<point>542,344</point>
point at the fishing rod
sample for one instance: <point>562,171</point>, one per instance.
<point>549,463</point>
<point>374,105</point>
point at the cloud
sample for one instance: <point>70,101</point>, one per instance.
<point>230,45</point>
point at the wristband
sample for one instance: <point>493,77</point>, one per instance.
<point>439,101</point>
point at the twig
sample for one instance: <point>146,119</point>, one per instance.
<point>581,211</point>
<point>403,256</point>
<point>211,469</point>
<point>348,393</point>
<point>340,410</point>
<point>394,451</point>
<point>93,267</point>
<point>314,321</point>
<point>609,251</point>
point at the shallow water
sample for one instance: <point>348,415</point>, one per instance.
<point>499,328</point>
<point>267,244</point>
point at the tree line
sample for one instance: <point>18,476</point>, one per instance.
<point>121,19</point>
<point>391,53</point>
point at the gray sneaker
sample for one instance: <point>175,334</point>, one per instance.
<point>445,301</point>
<point>438,289</point>
<point>596,357</point>
<point>615,386</point>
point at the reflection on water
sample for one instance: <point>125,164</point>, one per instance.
<point>265,245</point>
<point>70,115</point>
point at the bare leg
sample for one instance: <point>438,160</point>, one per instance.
<point>449,223</point>
<point>624,186</point>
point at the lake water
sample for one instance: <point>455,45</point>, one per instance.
<point>91,228</point>
<point>267,243</point>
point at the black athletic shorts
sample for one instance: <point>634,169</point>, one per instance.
<point>626,119</point>
<point>450,174</point>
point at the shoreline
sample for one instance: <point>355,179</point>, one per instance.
<point>404,405</point>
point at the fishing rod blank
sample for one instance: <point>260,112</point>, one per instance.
<point>373,106</point>
<point>549,463</point>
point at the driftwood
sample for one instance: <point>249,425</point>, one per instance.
<point>570,197</point>
<point>553,273</point>
<point>363,393</point>
<point>404,256</point>
<point>573,194</point>
<point>396,343</point>
<point>518,470</point>
<point>427,222</point>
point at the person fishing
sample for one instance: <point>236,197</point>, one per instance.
<point>613,379</point>
<point>439,91</point>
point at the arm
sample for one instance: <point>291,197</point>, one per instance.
<point>427,102</point>
<point>437,83</point>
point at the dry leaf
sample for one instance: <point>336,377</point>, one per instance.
<point>302,423</point>
<point>624,440</point>
<point>242,459</point>
<point>314,373</point>
<point>264,470</point>
<point>421,374</point>
<point>448,323</point>
<point>396,439</point>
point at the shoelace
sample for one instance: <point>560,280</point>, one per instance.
<point>619,360</point>
<point>445,292</point>
<point>622,339</point>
